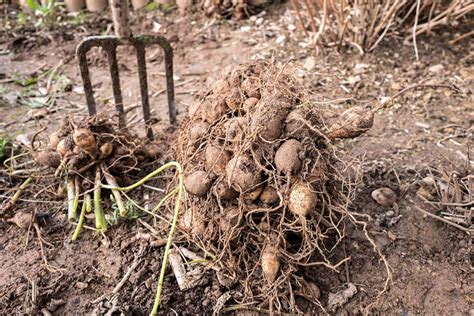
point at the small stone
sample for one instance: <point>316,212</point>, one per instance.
<point>395,86</point>
<point>37,113</point>
<point>309,63</point>
<point>384,196</point>
<point>81,285</point>
<point>280,39</point>
<point>422,125</point>
<point>23,139</point>
<point>360,69</point>
<point>436,69</point>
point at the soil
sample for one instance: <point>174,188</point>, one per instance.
<point>425,129</point>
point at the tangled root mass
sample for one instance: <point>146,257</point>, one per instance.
<point>269,192</point>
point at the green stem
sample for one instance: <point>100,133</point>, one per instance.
<point>22,187</point>
<point>163,200</point>
<point>9,167</point>
<point>177,208</point>
<point>145,179</point>
<point>100,222</point>
<point>81,220</point>
<point>170,235</point>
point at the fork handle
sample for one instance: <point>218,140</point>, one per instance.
<point>120,17</point>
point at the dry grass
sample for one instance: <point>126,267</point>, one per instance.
<point>364,23</point>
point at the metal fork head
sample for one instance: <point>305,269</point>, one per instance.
<point>109,44</point>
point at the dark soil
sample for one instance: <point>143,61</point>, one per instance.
<point>425,129</point>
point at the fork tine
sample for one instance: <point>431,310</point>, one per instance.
<point>114,73</point>
<point>86,79</point>
<point>142,77</point>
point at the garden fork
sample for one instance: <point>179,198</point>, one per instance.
<point>123,36</point>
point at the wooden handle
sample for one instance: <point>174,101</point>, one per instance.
<point>120,17</point>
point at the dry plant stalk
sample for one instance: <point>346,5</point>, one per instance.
<point>364,24</point>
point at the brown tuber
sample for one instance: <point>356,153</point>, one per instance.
<point>198,130</point>
<point>302,200</point>
<point>270,263</point>
<point>84,139</point>
<point>106,150</point>
<point>216,159</point>
<point>287,157</point>
<point>269,196</point>
<point>230,219</point>
<point>152,150</point>
<point>251,87</point>
<point>224,192</point>
<point>54,139</point>
<point>384,196</point>
<point>234,99</point>
<point>22,219</point>
<point>242,173</point>
<point>65,146</point>
<point>294,123</point>
<point>215,109</point>
<point>254,194</point>
<point>48,158</point>
<point>249,104</point>
<point>352,123</point>
<point>197,183</point>
<point>235,128</point>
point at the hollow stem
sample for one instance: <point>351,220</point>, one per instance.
<point>72,199</point>
<point>118,198</point>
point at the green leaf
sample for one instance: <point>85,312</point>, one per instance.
<point>25,82</point>
<point>33,4</point>
<point>5,148</point>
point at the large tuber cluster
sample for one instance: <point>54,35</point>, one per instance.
<point>261,175</point>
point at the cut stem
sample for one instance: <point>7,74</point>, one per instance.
<point>100,222</point>
<point>77,231</point>
<point>72,199</point>
<point>118,198</point>
<point>18,193</point>
<point>88,202</point>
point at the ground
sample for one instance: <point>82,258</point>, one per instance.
<point>425,129</point>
